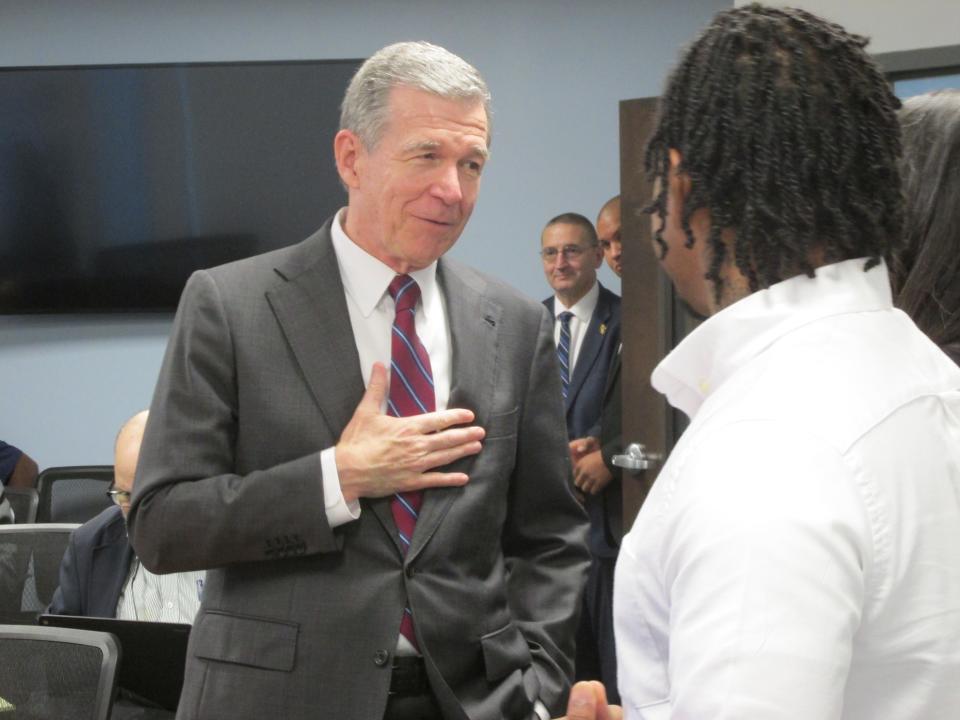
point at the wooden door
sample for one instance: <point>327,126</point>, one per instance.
<point>653,320</point>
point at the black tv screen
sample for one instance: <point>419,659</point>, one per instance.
<point>116,182</point>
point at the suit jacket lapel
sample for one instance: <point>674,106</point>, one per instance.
<point>310,307</point>
<point>109,566</point>
<point>472,319</point>
<point>592,342</point>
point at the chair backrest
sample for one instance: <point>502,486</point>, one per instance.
<point>50,672</point>
<point>73,494</point>
<point>7,516</point>
<point>30,558</point>
<point>24,502</point>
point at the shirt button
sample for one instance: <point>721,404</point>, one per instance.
<point>380,657</point>
<point>169,606</point>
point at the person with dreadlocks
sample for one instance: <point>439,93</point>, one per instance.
<point>798,555</point>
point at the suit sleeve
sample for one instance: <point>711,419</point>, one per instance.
<point>191,509</point>
<point>545,537</point>
<point>66,598</point>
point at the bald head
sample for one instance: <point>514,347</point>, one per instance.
<point>608,232</point>
<point>125,454</point>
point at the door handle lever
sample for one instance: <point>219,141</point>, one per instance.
<point>636,458</point>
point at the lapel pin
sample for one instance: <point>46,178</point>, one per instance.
<point>603,328</point>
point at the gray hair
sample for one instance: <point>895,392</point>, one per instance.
<point>417,65</point>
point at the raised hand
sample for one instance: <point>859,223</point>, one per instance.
<point>379,455</point>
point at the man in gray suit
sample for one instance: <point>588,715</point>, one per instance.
<point>412,550</point>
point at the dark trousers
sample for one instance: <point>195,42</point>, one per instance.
<point>410,695</point>
<point>412,707</point>
<point>596,652</point>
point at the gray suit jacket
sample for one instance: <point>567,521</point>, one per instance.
<point>299,620</point>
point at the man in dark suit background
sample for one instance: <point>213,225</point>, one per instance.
<point>98,573</point>
<point>587,335</point>
<point>594,466</point>
<point>267,461</point>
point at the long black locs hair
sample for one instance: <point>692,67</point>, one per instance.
<point>788,133</point>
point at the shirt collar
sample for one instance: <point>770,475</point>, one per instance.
<point>583,308</point>
<point>728,340</point>
<point>365,278</point>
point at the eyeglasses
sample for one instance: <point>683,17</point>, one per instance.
<point>549,254</point>
<point>120,497</point>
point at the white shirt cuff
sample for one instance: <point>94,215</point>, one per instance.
<point>540,711</point>
<point>339,511</point>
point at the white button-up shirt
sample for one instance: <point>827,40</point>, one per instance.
<point>582,315</point>
<point>372,310</point>
<point>799,554</point>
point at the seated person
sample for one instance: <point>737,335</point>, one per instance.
<point>100,575</point>
<point>17,469</point>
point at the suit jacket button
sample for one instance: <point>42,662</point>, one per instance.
<point>380,657</point>
<point>409,571</point>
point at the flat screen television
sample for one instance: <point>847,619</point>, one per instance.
<point>116,182</point>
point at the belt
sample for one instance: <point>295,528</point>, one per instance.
<point>409,676</point>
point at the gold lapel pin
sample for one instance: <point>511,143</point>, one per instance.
<point>603,328</point>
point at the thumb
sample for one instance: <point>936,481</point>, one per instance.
<point>376,390</point>
<point>583,702</point>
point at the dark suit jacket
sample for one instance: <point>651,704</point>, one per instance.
<point>584,405</point>
<point>94,567</point>
<point>299,619</point>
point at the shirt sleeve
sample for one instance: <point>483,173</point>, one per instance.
<point>339,511</point>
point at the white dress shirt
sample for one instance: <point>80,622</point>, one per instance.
<point>582,314</point>
<point>372,310</point>
<point>173,598</point>
<point>799,555</point>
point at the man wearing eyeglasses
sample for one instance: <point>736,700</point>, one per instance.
<point>587,334</point>
<point>101,577</point>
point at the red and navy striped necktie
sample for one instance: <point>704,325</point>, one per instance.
<point>411,393</point>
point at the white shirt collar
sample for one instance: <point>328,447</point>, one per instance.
<point>728,340</point>
<point>583,308</point>
<point>365,278</point>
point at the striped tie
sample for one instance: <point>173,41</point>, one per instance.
<point>411,393</point>
<point>563,351</point>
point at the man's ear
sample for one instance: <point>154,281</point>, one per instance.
<point>599,256</point>
<point>679,180</point>
<point>347,151</point>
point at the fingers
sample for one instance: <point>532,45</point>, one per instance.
<point>445,456</point>
<point>438,479</point>
<point>441,420</point>
<point>584,445</point>
<point>588,701</point>
<point>376,391</point>
<point>583,702</point>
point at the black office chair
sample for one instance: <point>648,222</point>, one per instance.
<point>24,503</point>
<point>7,516</point>
<point>73,494</point>
<point>51,672</point>
<point>30,558</point>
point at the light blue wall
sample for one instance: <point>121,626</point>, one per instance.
<point>556,68</point>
